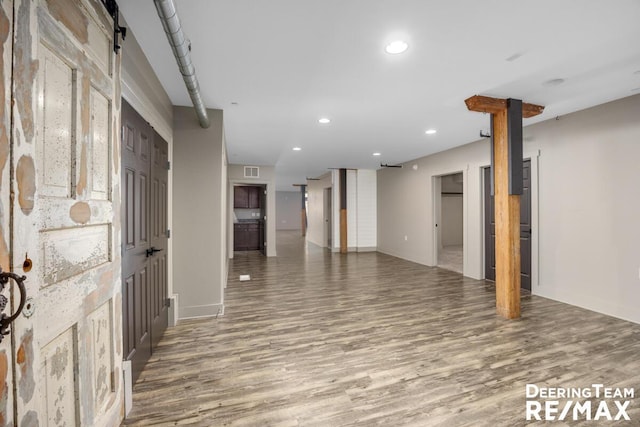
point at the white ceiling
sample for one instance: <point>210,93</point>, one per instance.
<point>289,62</point>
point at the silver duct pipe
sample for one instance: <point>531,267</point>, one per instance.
<point>181,50</point>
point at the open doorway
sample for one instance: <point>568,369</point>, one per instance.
<point>249,214</point>
<point>449,221</point>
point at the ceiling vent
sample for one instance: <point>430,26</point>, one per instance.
<point>251,172</point>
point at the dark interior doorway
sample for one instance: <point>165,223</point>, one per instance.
<point>525,228</point>
<point>249,216</point>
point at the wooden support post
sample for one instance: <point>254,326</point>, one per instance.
<point>303,214</point>
<point>343,211</point>
<point>507,215</point>
<point>506,163</point>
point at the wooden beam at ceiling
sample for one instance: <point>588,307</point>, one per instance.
<point>486,104</point>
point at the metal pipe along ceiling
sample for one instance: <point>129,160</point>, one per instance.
<point>181,50</point>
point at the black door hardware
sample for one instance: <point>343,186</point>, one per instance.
<point>151,251</point>
<point>5,320</point>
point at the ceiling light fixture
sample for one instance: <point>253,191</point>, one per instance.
<point>513,57</point>
<point>396,47</point>
<point>554,82</point>
<point>376,154</point>
<point>431,131</point>
<point>324,121</point>
<point>297,148</point>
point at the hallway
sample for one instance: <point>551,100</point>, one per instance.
<point>321,339</point>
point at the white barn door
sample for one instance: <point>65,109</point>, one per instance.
<point>6,352</point>
<point>65,213</point>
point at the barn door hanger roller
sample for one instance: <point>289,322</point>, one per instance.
<point>112,8</point>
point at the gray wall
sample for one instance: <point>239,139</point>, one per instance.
<point>452,210</point>
<point>585,180</point>
<point>142,89</point>
<point>452,215</point>
<point>144,92</point>
<point>200,214</point>
<point>288,210</point>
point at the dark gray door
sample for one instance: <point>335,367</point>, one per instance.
<point>157,254</point>
<point>144,238</point>
<point>136,150</point>
<point>262,229</point>
<point>525,228</point>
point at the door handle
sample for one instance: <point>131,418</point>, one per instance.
<point>152,250</point>
<point>5,320</point>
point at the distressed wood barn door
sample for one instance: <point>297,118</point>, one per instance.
<point>62,213</point>
<point>6,353</point>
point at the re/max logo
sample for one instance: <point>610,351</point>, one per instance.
<point>576,410</point>
<point>608,403</point>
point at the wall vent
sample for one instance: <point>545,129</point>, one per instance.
<point>251,172</point>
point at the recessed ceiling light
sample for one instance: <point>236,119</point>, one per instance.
<point>376,154</point>
<point>514,57</point>
<point>324,121</point>
<point>431,131</point>
<point>396,47</point>
<point>297,148</point>
<point>553,82</point>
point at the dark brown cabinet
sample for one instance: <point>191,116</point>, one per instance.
<point>245,197</point>
<point>240,197</point>
<point>248,236</point>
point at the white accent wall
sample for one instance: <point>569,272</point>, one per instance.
<point>367,196</point>
<point>352,210</point>
<point>586,207</point>
<point>361,210</point>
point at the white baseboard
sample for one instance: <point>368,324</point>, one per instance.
<point>173,310</point>
<point>128,386</point>
<point>197,311</point>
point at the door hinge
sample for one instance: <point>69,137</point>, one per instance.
<point>168,165</point>
<point>167,302</point>
<point>168,234</point>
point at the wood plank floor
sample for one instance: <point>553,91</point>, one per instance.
<point>320,339</point>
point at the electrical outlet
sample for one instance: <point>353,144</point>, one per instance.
<point>406,238</point>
